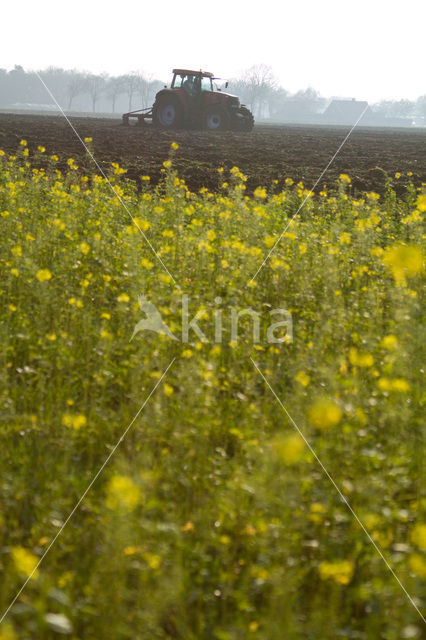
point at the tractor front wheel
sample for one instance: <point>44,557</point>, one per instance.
<point>167,115</point>
<point>247,122</point>
<point>216,119</point>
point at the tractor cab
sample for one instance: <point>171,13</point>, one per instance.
<point>193,82</point>
<point>199,94</point>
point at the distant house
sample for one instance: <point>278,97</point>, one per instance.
<point>347,112</point>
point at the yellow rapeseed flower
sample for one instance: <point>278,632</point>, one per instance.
<point>123,493</point>
<point>418,536</point>
<point>393,384</point>
<point>345,238</point>
<point>372,196</point>
<point>118,171</point>
<point>399,384</point>
<point>260,192</point>
<point>289,449</point>
<point>302,378</point>
<point>324,413</point>
<point>417,565</point>
<point>74,421</point>
<point>389,342</point>
<point>144,225</point>
<point>84,248</point>
<point>123,297</point>
<point>25,561</point>
<point>421,202</point>
<point>146,264</point>
<point>131,550</point>
<point>403,260</point>
<point>360,359</point>
<point>153,560</point>
<point>43,274</point>
<point>340,571</point>
<point>344,178</point>
<point>317,513</point>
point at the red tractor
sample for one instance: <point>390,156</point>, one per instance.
<point>193,101</point>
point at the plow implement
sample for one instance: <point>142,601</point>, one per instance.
<point>141,115</point>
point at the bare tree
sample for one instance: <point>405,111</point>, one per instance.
<point>256,88</point>
<point>143,89</point>
<point>131,83</point>
<point>114,88</point>
<point>260,83</point>
<point>147,87</point>
<point>95,86</point>
<point>76,85</point>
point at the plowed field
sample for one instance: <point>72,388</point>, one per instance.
<point>270,152</point>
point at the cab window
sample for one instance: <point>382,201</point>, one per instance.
<point>177,82</point>
<point>206,84</point>
<point>182,81</point>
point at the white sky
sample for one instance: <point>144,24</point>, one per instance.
<point>367,49</point>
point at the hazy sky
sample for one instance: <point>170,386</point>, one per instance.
<point>368,49</point>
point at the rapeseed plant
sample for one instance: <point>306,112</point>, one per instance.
<point>213,518</point>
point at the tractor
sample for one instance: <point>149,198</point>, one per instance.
<point>194,102</point>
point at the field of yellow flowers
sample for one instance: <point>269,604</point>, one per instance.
<point>213,517</point>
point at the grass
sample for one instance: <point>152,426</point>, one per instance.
<point>212,519</point>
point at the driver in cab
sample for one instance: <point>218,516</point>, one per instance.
<point>191,85</point>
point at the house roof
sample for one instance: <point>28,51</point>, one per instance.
<point>351,109</point>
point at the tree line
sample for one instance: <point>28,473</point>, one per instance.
<point>77,90</point>
<point>102,93</point>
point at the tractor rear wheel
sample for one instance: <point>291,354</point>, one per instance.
<point>167,114</point>
<point>216,118</point>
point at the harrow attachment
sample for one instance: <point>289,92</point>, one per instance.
<point>141,115</point>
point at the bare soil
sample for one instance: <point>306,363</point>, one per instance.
<point>268,153</point>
